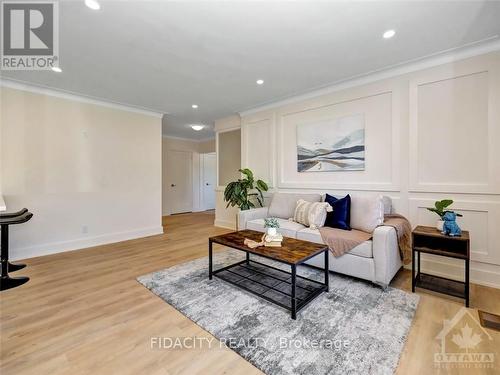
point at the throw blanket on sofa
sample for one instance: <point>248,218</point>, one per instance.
<point>403,230</point>
<point>341,241</point>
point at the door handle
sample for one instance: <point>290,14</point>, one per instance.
<point>207,184</point>
<point>172,185</point>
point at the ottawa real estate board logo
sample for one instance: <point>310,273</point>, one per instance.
<point>460,341</point>
<point>30,35</point>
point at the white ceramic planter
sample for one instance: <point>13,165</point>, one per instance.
<point>272,231</point>
<point>439,225</point>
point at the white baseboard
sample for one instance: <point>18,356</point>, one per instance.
<point>480,273</point>
<point>225,224</point>
<point>81,243</point>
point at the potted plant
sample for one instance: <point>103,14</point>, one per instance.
<point>272,225</point>
<point>245,191</point>
<point>440,209</point>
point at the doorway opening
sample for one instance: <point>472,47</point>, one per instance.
<point>208,169</point>
<point>189,175</point>
<point>178,182</point>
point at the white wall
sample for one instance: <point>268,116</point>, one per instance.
<point>430,134</point>
<point>91,174</point>
<point>206,147</point>
<point>196,148</point>
<point>229,156</point>
<point>228,163</point>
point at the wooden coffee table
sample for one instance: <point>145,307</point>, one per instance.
<point>282,288</point>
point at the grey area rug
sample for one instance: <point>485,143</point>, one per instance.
<point>355,328</point>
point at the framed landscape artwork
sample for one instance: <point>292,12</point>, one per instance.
<point>334,145</point>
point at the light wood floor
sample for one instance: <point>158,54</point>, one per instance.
<point>83,312</point>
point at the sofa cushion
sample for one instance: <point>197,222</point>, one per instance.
<point>311,214</point>
<point>348,264</point>
<point>367,212</point>
<point>283,204</point>
<point>340,217</point>
<point>311,235</point>
<point>287,228</point>
<point>364,250</point>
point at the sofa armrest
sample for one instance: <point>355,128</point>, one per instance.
<point>252,214</point>
<point>385,254</point>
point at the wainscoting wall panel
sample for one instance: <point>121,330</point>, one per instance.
<point>454,118</point>
<point>257,147</point>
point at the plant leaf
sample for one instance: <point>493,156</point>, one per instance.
<point>261,195</point>
<point>247,172</point>
<point>446,202</point>
<point>262,185</point>
<point>228,191</point>
<point>442,204</point>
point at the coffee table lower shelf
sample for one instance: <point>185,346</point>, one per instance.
<point>272,284</point>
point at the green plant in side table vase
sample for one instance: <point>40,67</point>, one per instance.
<point>440,209</point>
<point>246,192</point>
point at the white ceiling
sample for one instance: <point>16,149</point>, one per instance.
<point>166,56</point>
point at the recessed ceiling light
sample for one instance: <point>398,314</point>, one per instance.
<point>197,127</point>
<point>194,106</point>
<point>56,69</point>
<point>93,4</point>
<point>260,81</point>
<point>389,34</point>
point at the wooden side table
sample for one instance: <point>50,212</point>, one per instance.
<point>429,240</point>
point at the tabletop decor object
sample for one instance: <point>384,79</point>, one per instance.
<point>440,210</point>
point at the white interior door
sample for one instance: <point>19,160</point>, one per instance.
<point>208,180</point>
<point>179,180</point>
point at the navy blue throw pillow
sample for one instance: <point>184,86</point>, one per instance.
<point>340,217</point>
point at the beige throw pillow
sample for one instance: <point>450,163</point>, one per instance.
<point>367,212</point>
<point>311,214</point>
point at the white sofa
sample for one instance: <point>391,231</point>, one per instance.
<point>376,260</point>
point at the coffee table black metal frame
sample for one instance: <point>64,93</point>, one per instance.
<point>310,288</point>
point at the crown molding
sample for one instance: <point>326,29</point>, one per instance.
<point>469,50</point>
<point>188,139</point>
<point>45,90</point>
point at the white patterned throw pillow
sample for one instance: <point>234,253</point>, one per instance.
<point>311,214</point>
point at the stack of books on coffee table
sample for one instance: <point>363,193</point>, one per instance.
<point>273,240</point>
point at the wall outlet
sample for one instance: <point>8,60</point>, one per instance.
<point>85,229</point>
